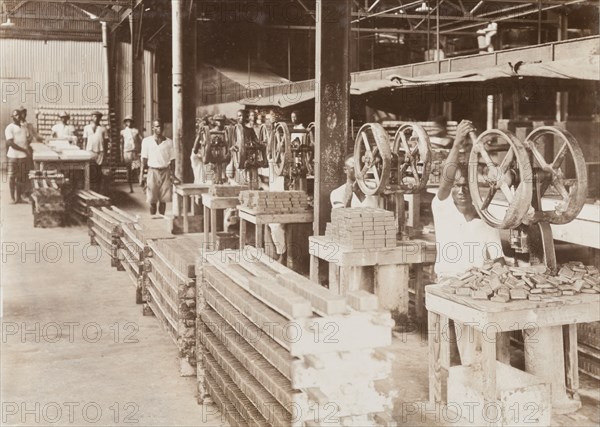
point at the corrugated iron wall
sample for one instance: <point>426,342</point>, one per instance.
<point>51,73</point>
<point>123,86</point>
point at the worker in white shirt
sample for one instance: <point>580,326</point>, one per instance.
<point>463,239</point>
<point>130,147</point>
<point>33,135</point>
<point>19,155</point>
<point>158,159</point>
<point>63,130</point>
<point>349,195</point>
<point>94,138</point>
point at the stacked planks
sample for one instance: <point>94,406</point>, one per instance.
<point>105,228</point>
<point>277,349</point>
<point>48,204</point>
<point>83,200</point>
<point>134,249</point>
<point>171,291</point>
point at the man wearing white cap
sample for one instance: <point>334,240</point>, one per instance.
<point>94,137</point>
<point>63,130</point>
<point>130,143</point>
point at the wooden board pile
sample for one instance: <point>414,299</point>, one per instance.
<point>501,283</point>
<point>134,248</point>
<point>362,228</point>
<point>83,200</point>
<point>171,288</point>
<point>105,229</point>
<point>226,190</point>
<point>276,349</point>
<point>48,204</point>
<point>274,202</point>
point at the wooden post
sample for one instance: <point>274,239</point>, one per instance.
<point>189,85</point>
<point>137,69</point>
<point>332,108</point>
<point>177,52</point>
<point>105,65</point>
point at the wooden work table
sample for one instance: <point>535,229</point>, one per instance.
<point>548,323</point>
<point>45,158</point>
<point>185,194</point>
<point>212,204</point>
<point>349,268</point>
<point>261,220</point>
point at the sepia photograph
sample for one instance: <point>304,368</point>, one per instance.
<point>300,213</point>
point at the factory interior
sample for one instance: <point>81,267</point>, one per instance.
<point>300,212</point>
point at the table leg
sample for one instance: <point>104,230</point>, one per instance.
<point>206,228</point>
<point>391,287</point>
<point>544,357</point>
<point>242,233</point>
<point>571,359</point>
<point>213,227</point>
<point>259,235</point>
<point>488,367</point>
<point>334,279</point>
<point>346,274</point>
<point>314,269</point>
<point>86,176</point>
<point>419,293</point>
<point>503,347</point>
<point>192,200</point>
<point>186,224</point>
<point>439,358</point>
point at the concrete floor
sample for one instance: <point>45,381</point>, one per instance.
<point>76,349</point>
<point>91,358</point>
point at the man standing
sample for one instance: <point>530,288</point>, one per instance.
<point>349,195</point>
<point>63,130</point>
<point>29,126</point>
<point>158,158</point>
<point>19,156</point>
<point>130,143</point>
<point>94,137</point>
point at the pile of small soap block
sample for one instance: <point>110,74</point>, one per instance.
<point>362,228</point>
<point>226,190</point>
<point>501,283</point>
<point>274,201</point>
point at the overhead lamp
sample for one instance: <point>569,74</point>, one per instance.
<point>8,23</point>
<point>423,8</point>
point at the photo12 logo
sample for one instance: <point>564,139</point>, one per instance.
<point>73,413</point>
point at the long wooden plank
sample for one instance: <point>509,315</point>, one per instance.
<point>279,298</point>
<point>282,300</point>
<point>104,216</point>
<point>323,300</point>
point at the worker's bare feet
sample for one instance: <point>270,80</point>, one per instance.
<point>13,202</point>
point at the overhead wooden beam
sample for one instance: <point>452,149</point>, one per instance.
<point>332,106</point>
